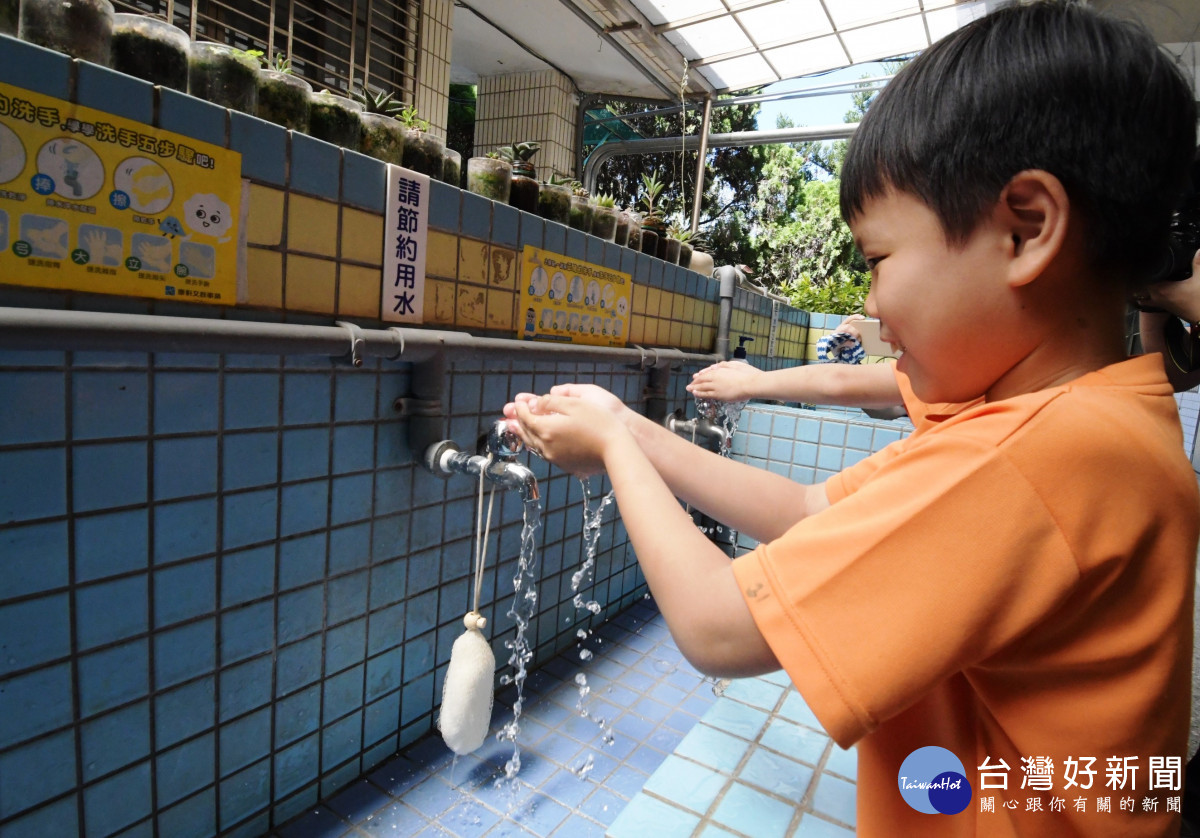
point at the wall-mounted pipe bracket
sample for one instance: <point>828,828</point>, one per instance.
<point>358,342</point>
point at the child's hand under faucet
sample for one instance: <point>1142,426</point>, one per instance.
<point>575,426</point>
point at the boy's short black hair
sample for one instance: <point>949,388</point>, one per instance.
<point>1050,85</point>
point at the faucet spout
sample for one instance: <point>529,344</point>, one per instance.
<point>445,458</point>
<point>699,427</point>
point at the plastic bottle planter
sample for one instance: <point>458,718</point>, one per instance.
<point>452,168</point>
<point>524,193</point>
<point>554,202</point>
<point>423,153</point>
<point>150,49</point>
<point>651,233</point>
<point>9,10</point>
<point>685,254</point>
<point>621,235</point>
<point>490,177</point>
<point>382,138</point>
<point>284,99</point>
<point>580,214</point>
<point>702,263</point>
<point>80,28</point>
<point>670,248</point>
<point>635,233</point>
<point>335,119</point>
<point>224,76</point>
<point>604,223</point>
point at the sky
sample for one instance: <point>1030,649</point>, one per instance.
<point>815,110</point>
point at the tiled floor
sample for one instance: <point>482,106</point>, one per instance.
<point>739,772</point>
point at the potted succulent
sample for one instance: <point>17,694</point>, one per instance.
<point>653,226</point>
<point>335,119</point>
<point>9,14</point>
<point>554,199</point>
<point>605,217</point>
<point>81,28</point>
<point>580,216</point>
<point>452,167</point>
<point>283,97</point>
<point>382,135</point>
<point>524,192</point>
<point>147,47</point>
<point>490,176</point>
<point>422,150</point>
<point>224,75</point>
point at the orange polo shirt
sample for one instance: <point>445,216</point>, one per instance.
<point>1012,583</point>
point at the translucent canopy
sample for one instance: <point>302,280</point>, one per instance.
<point>736,44</point>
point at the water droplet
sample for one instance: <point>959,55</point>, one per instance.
<point>719,686</point>
<point>585,768</point>
<point>582,633</point>
<point>580,679</point>
<point>585,655</point>
<point>506,679</point>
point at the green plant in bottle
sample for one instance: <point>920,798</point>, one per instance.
<point>524,192</point>
<point>283,97</point>
<point>605,217</point>
<point>653,226</point>
<point>581,208</point>
<point>383,136</point>
<point>422,150</point>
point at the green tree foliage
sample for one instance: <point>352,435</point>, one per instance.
<point>806,251</point>
<point>730,178</point>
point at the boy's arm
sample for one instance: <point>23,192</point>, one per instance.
<point>849,385</point>
<point>759,503</point>
<point>691,580</point>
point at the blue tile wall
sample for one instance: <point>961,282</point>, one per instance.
<point>262,584</point>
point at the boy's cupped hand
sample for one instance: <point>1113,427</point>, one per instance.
<point>573,426</point>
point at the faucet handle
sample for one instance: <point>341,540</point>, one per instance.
<point>502,442</point>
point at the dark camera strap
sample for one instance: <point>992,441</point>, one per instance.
<point>1183,344</point>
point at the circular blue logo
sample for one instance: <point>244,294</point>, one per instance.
<point>932,780</point>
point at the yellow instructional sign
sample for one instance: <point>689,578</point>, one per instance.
<point>572,301</point>
<point>93,202</point>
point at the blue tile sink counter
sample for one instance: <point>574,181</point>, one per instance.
<point>682,762</point>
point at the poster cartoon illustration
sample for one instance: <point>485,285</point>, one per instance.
<point>95,202</point>
<point>572,301</point>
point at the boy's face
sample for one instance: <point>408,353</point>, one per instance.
<point>938,301</point>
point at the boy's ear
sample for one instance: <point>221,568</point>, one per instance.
<point>1034,210</point>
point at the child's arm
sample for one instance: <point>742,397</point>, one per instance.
<point>759,503</point>
<point>691,580</point>
<point>849,385</point>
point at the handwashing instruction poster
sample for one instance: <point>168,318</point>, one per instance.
<point>572,301</point>
<point>93,202</point>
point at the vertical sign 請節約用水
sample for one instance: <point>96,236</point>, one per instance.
<point>405,236</point>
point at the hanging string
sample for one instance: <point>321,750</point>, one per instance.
<point>481,541</point>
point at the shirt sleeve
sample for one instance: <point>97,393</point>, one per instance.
<point>855,601</point>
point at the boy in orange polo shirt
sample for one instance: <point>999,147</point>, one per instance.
<point>1011,584</point>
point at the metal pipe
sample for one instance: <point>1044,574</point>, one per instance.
<point>728,276</point>
<point>705,124</point>
<point>655,145</point>
<point>27,328</point>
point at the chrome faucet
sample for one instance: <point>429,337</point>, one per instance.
<point>697,428</point>
<point>446,458</point>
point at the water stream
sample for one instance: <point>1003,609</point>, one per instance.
<point>582,578</point>
<point>523,608</point>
